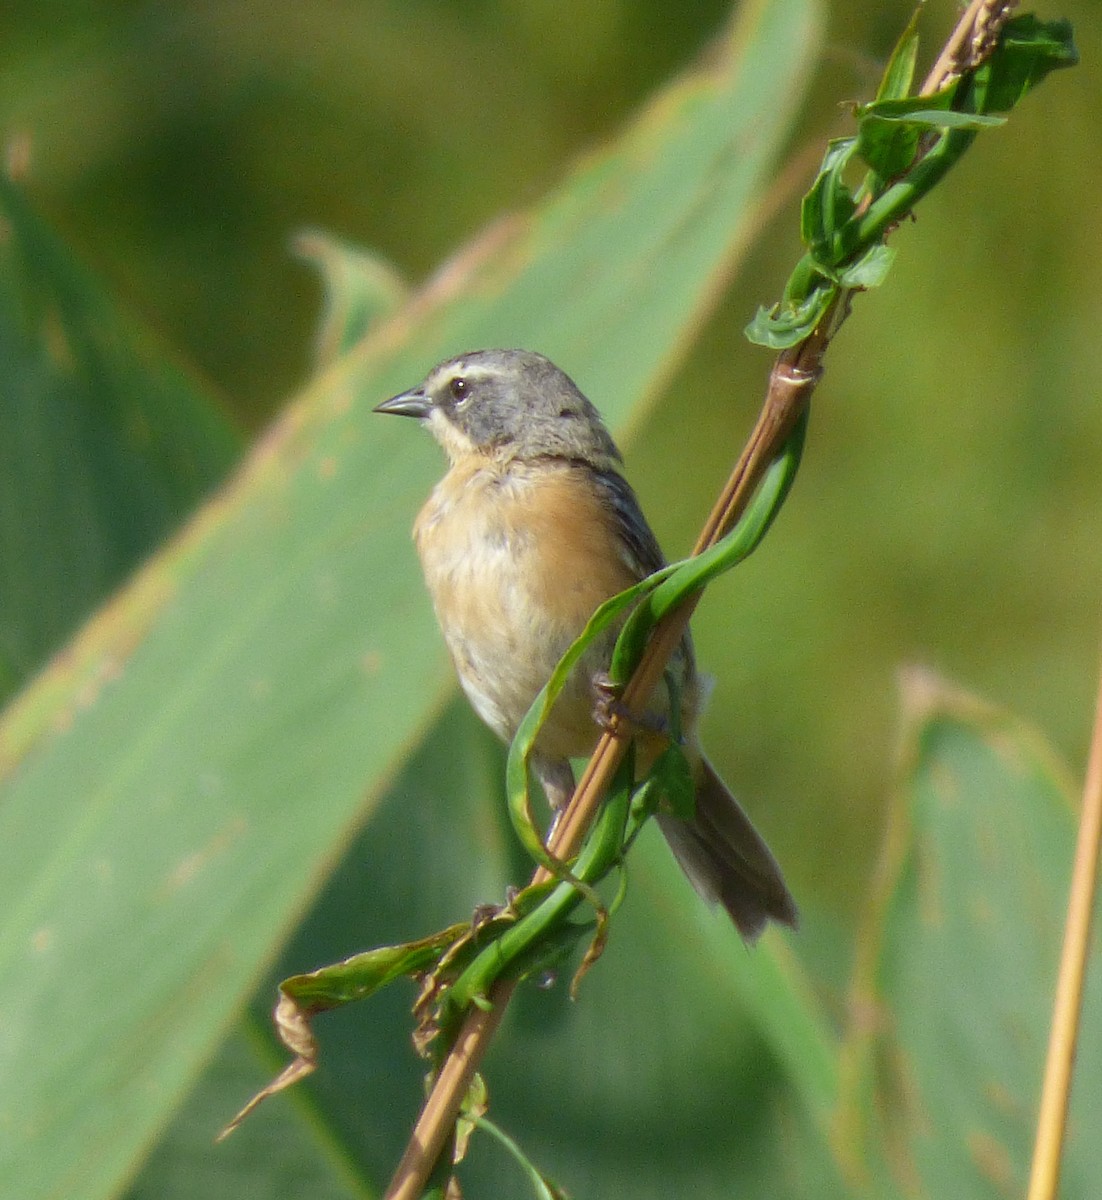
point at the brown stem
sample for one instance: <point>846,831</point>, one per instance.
<point>790,386</point>
<point>1044,1177</point>
<point>970,43</point>
<point>791,383</point>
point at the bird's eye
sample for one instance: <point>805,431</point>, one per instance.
<point>460,389</point>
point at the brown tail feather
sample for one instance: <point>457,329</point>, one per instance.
<point>726,859</point>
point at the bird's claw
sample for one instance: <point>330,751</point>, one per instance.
<point>485,913</point>
<point>610,711</point>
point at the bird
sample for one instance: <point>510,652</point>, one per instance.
<point>531,528</point>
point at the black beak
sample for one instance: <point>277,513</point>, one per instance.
<point>407,404</point>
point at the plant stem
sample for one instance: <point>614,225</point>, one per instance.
<point>1067,1008</point>
<point>791,383</point>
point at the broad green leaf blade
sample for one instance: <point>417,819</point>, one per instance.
<point>970,933</point>
<point>106,444</point>
<point>176,786</point>
<point>434,849</point>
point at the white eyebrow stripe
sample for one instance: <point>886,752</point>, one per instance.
<point>474,371</point>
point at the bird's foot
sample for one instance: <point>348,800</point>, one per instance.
<point>610,711</point>
<point>485,913</point>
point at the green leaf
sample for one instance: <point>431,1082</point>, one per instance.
<point>787,325</point>
<point>962,952</point>
<point>361,291</point>
<point>175,788</point>
<point>829,205</point>
<point>361,975</point>
<point>437,845</point>
<point>542,1187</point>
<point>674,778</point>
<point>1029,50</point>
<point>719,1058</point>
<point>686,578</point>
<point>106,442</point>
<point>889,146</point>
<point>870,270</point>
<point>889,131</point>
<point>895,138</point>
<point>900,71</point>
<point>686,1059</point>
<point>910,112</point>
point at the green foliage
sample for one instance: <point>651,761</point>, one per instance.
<point>908,142</point>
<point>1031,50</point>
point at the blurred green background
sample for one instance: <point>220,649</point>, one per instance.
<point>947,509</point>
<point>948,506</point>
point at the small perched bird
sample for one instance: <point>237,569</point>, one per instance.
<point>530,530</point>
